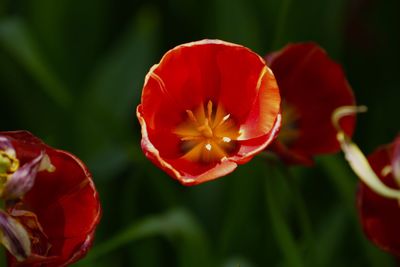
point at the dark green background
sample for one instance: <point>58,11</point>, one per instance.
<point>71,72</point>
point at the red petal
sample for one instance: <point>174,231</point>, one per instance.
<point>28,145</point>
<point>65,201</point>
<point>263,113</point>
<point>380,216</point>
<point>194,73</point>
<point>314,86</point>
<point>22,180</point>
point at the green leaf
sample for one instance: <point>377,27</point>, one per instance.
<point>178,226</point>
<point>341,177</point>
<point>120,74</point>
<point>236,23</point>
<point>277,42</point>
<point>329,237</point>
<point>301,18</point>
<point>107,111</point>
<point>16,38</point>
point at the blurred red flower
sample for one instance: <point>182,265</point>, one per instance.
<point>380,216</point>
<point>312,86</point>
<point>59,211</point>
<point>207,107</point>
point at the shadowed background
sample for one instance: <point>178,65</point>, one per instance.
<point>71,72</point>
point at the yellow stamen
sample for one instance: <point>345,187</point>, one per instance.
<point>8,164</point>
<point>191,116</point>
<point>209,109</point>
<point>208,134</point>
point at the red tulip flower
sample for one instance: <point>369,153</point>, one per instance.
<point>207,107</point>
<point>52,207</point>
<point>380,216</point>
<point>312,86</point>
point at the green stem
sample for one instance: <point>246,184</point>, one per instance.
<point>300,207</point>
<point>280,226</point>
<point>297,198</point>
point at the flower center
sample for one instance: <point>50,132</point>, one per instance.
<point>208,134</point>
<point>8,165</point>
<point>289,129</point>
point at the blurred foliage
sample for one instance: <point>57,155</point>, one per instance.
<point>71,72</point>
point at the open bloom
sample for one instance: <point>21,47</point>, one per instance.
<point>312,86</point>
<point>380,216</point>
<point>52,207</point>
<point>207,107</point>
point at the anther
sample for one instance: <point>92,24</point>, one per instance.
<point>191,115</point>
<point>226,139</point>
<point>208,147</point>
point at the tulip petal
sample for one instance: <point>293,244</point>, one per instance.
<point>67,223</point>
<point>6,146</point>
<point>14,237</point>
<point>248,91</point>
<point>262,116</point>
<point>22,180</point>
<point>249,148</point>
<point>312,85</point>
